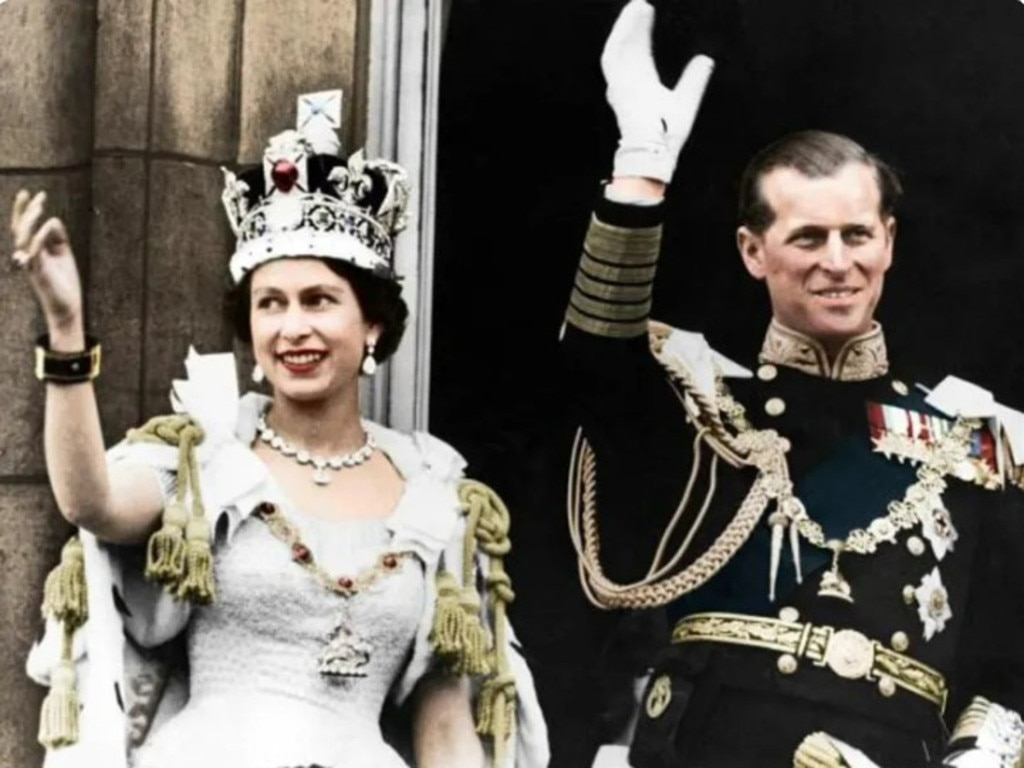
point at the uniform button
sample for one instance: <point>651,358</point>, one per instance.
<point>767,372</point>
<point>900,388</point>
<point>886,686</point>
<point>790,614</point>
<point>775,406</point>
<point>909,594</point>
<point>915,546</point>
<point>900,642</point>
<point>787,664</point>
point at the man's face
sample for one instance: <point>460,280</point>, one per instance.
<point>825,255</point>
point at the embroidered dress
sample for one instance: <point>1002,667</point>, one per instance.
<point>254,696</point>
<point>257,698</point>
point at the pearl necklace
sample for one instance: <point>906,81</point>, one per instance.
<point>320,463</point>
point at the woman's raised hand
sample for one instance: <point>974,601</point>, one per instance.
<point>44,253</point>
<point>654,121</point>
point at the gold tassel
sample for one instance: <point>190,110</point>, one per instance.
<point>475,643</point>
<point>165,552</point>
<point>64,594</point>
<point>197,586</point>
<point>495,713</point>
<point>448,631</point>
<point>58,721</point>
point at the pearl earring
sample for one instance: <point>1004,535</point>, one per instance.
<point>369,366</point>
<point>257,374</point>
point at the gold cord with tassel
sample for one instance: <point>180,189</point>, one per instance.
<point>58,720</point>
<point>179,554</point>
<point>65,599</point>
<point>487,529</point>
<point>64,593</point>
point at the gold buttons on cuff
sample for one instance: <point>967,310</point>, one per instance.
<point>775,406</point>
<point>915,546</point>
<point>886,686</point>
<point>790,614</point>
<point>900,642</point>
<point>767,372</point>
<point>909,594</point>
<point>787,664</point>
<point>900,388</point>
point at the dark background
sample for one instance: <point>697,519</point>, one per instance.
<point>935,87</point>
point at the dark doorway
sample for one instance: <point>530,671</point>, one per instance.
<point>933,86</point>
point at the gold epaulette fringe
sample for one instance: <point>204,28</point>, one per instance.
<point>460,635</point>
<point>179,554</point>
<point>65,599</point>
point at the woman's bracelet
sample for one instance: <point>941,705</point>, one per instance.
<point>67,367</point>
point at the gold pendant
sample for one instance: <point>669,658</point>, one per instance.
<point>345,655</point>
<point>833,583</point>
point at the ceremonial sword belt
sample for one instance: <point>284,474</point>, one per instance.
<point>846,652</point>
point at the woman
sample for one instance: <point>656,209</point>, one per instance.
<point>292,546</point>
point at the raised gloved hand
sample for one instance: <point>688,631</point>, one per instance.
<point>654,121</point>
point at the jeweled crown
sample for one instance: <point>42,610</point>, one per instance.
<point>306,199</point>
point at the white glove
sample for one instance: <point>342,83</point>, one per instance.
<point>654,122</point>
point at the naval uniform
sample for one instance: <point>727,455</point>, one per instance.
<point>880,648</point>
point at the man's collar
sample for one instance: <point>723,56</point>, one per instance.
<point>860,358</point>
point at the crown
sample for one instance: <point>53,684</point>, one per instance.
<point>306,199</point>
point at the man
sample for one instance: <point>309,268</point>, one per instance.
<point>836,552</point>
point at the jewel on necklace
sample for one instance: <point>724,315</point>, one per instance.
<point>833,583</point>
<point>346,653</point>
<point>320,463</point>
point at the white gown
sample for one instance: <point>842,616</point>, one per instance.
<point>257,699</point>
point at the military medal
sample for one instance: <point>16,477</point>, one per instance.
<point>906,435</point>
<point>933,603</point>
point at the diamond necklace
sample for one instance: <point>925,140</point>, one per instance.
<point>320,463</point>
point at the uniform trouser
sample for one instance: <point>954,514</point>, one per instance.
<point>732,708</point>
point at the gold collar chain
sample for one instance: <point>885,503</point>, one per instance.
<point>346,586</point>
<point>346,652</point>
<point>944,457</point>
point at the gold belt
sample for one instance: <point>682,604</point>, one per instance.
<point>847,652</point>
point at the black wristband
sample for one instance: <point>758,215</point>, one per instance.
<point>67,367</point>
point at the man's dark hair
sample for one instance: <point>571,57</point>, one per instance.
<point>815,154</point>
<point>380,300</point>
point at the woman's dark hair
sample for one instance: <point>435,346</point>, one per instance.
<point>815,154</point>
<point>380,300</point>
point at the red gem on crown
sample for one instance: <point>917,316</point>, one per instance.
<point>284,175</point>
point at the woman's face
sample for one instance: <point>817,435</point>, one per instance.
<point>308,330</point>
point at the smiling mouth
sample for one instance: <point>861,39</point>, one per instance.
<point>836,293</point>
<point>302,358</point>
